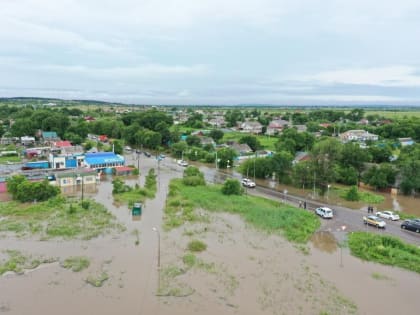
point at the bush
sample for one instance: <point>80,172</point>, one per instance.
<point>231,187</point>
<point>196,246</point>
<point>24,190</point>
<point>85,204</point>
<point>352,194</point>
<point>193,177</point>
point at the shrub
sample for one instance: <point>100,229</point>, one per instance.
<point>85,204</point>
<point>231,187</point>
<point>197,246</point>
<point>76,263</point>
<point>352,194</point>
<point>193,177</point>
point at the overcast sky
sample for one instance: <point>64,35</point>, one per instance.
<point>287,52</point>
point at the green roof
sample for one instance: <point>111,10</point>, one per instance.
<point>49,134</point>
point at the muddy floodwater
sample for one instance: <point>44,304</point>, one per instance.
<point>243,271</point>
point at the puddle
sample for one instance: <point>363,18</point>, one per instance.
<point>324,241</point>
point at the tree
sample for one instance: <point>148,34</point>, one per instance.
<point>352,194</point>
<point>193,141</point>
<point>251,141</point>
<point>216,134</point>
<point>23,190</point>
<point>258,167</point>
<point>179,148</point>
<point>380,177</point>
<point>380,153</point>
<point>354,156</point>
<point>282,164</point>
<point>233,116</point>
<point>118,146</point>
<point>231,187</point>
<point>225,157</point>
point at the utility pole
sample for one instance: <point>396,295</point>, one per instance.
<point>314,182</point>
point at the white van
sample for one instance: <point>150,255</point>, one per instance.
<point>324,212</point>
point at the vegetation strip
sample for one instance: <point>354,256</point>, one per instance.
<point>57,218</point>
<point>294,223</point>
<point>384,249</point>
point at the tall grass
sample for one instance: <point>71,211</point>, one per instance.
<point>268,215</point>
<point>57,218</point>
<point>387,250</point>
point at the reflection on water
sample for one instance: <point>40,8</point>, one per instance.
<point>324,241</point>
<point>88,189</point>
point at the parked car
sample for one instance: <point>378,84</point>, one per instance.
<point>182,163</point>
<point>324,212</point>
<point>147,154</point>
<point>162,156</point>
<point>389,215</point>
<point>248,183</point>
<point>411,225</point>
<point>127,148</point>
<point>374,220</point>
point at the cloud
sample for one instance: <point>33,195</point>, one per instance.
<point>390,76</point>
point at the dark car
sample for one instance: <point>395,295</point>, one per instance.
<point>412,225</point>
<point>147,154</point>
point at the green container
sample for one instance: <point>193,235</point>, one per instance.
<point>136,211</point>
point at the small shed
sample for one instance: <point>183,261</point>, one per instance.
<point>137,209</point>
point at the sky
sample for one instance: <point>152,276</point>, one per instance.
<point>221,52</point>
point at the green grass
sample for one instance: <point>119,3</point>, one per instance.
<point>268,143</point>
<point>57,218</point>
<point>139,194</point>
<point>364,196</point>
<point>265,214</point>
<point>13,159</point>
<point>76,263</point>
<point>379,276</point>
<point>386,250</point>
<point>196,246</point>
<point>17,262</point>
<point>98,280</point>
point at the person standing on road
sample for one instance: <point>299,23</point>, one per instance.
<point>300,203</point>
<point>304,205</point>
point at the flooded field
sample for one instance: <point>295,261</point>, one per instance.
<point>242,271</point>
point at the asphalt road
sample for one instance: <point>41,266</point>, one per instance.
<point>350,219</point>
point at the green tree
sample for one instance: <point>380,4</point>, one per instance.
<point>282,165</point>
<point>226,156</point>
<point>193,141</point>
<point>251,141</point>
<point>231,187</point>
<point>178,149</point>
<point>354,156</point>
<point>216,134</point>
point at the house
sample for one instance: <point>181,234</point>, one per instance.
<point>406,141</point>
<point>123,170</point>
<point>62,161</point>
<point>276,126</point>
<point>207,141</point>
<point>103,138</point>
<point>301,156</point>
<point>358,135</point>
<point>103,160</point>
<point>217,122</point>
<point>240,148</point>
<point>62,144</point>
<point>364,121</point>
<point>325,125</point>
<point>89,118</point>
<point>50,136</point>
<point>76,178</point>
<point>301,128</point>
<point>251,127</point>
<point>26,140</point>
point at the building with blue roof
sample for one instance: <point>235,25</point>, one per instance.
<point>103,160</point>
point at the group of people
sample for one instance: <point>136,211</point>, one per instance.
<point>302,204</point>
<point>370,209</point>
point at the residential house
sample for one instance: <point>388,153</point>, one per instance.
<point>49,137</point>
<point>276,126</point>
<point>207,141</point>
<point>240,148</point>
<point>358,135</point>
<point>76,178</point>
<point>301,156</point>
<point>406,141</point>
<point>251,127</point>
<point>300,128</point>
<point>217,122</point>
<point>26,140</point>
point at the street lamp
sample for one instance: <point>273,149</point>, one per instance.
<point>158,235</point>
<point>343,228</point>
<point>314,184</point>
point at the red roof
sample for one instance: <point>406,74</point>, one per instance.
<point>103,138</point>
<point>124,169</point>
<point>3,187</point>
<point>62,144</point>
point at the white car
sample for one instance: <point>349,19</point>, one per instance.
<point>183,163</point>
<point>324,212</point>
<point>389,215</point>
<point>248,183</point>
